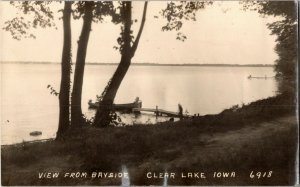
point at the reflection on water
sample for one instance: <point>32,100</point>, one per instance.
<point>143,118</point>
<point>28,106</point>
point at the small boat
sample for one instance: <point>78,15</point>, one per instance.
<point>120,107</point>
<point>35,133</point>
<point>265,77</point>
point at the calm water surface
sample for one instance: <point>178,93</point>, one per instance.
<point>28,106</point>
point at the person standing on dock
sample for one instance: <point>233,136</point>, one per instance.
<point>180,111</point>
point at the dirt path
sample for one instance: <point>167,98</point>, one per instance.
<point>252,133</point>
<point>231,142</point>
<point>268,145</point>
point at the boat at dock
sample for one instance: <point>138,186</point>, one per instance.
<point>136,107</point>
<point>119,107</point>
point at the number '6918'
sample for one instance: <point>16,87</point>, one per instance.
<point>260,174</point>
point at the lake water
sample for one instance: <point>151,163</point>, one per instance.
<point>26,103</point>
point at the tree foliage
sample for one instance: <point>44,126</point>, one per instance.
<point>286,31</point>
<point>40,14</point>
<point>100,10</point>
<point>42,17</point>
<point>176,12</point>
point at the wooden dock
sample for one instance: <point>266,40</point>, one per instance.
<point>265,77</point>
<point>158,112</point>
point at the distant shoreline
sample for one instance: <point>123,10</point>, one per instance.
<point>153,64</point>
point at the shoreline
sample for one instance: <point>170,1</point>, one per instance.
<point>202,144</point>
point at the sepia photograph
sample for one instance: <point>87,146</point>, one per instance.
<point>149,93</point>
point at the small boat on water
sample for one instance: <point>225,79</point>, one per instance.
<point>253,77</point>
<point>35,133</point>
<point>119,107</point>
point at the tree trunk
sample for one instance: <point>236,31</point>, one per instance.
<point>103,111</point>
<point>64,94</point>
<point>76,111</point>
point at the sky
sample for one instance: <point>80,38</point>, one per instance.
<point>222,34</point>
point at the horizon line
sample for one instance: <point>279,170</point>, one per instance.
<point>141,63</point>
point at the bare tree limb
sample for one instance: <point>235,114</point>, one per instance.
<point>136,42</point>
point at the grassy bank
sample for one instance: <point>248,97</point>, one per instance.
<point>259,137</point>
